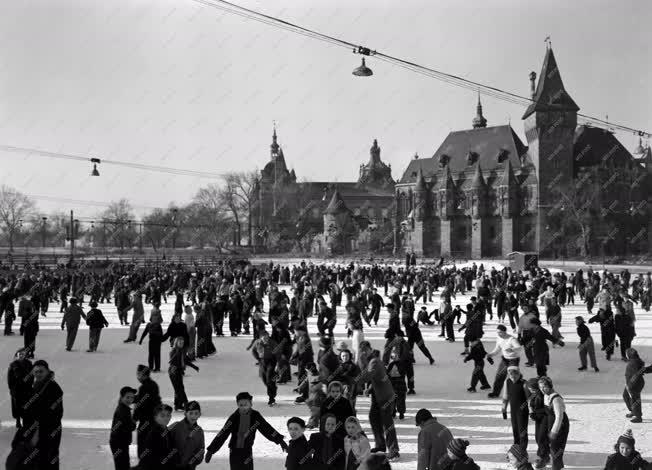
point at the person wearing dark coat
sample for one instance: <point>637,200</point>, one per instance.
<point>516,394</point>
<point>634,383</point>
<point>20,381</point>
<point>70,321</point>
<point>29,326</point>
<point>241,427</point>
<point>433,440</point>
<point>626,456</point>
<point>176,368</point>
<point>43,412</point>
<point>337,405</point>
<point>122,428</point>
<point>147,399</point>
<point>96,321</point>
<point>607,331</point>
<point>473,326</point>
<point>540,349</point>
<point>477,355</point>
<point>160,452</point>
<point>586,346</point>
<point>396,371</point>
<point>177,328</point>
<point>539,416</point>
<point>327,446</point>
<point>625,331</point>
<point>456,457</point>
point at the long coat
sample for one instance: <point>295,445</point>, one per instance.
<point>432,443</point>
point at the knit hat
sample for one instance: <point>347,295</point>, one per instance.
<point>142,368</point>
<point>458,447</point>
<point>627,438</point>
<point>518,452</point>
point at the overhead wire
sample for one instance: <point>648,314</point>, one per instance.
<point>488,90</point>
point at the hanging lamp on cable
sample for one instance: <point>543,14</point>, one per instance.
<point>95,161</point>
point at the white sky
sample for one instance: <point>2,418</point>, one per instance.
<point>180,84</point>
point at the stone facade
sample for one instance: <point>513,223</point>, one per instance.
<point>486,194</point>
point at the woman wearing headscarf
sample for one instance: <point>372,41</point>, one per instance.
<point>626,456</point>
<point>558,424</point>
<point>634,383</point>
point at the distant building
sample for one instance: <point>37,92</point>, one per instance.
<point>484,193</point>
<point>286,211</point>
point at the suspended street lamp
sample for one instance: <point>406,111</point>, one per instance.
<point>363,70</point>
<point>95,161</point>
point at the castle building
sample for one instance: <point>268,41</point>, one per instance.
<point>485,193</point>
<point>286,211</point>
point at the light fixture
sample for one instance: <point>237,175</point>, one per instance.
<point>95,161</point>
<point>363,70</point>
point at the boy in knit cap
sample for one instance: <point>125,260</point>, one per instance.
<point>456,458</point>
<point>518,458</point>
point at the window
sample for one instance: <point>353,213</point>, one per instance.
<point>492,231</point>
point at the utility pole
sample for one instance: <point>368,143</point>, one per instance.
<point>43,232</point>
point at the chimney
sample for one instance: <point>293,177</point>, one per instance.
<point>533,77</point>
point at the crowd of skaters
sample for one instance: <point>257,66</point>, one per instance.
<point>206,301</point>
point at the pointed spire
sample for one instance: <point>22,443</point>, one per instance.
<point>508,178</point>
<point>479,120</point>
<point>446,180</point>
<point>478,179</point>
<point>274,147</point>
<point>337,205</point>
<point>421,182</point>
<point>550,94</point>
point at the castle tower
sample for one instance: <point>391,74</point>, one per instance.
<point>550,123</point>
<point>337,222</point>
<point>479,120</point>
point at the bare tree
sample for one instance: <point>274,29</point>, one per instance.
<point>209,212</point>
<point>119,217</point>
<point>241,186</point>
<point>14,207</point>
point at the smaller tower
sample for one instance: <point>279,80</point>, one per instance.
<point>479,120</point>
<point>337,225</point>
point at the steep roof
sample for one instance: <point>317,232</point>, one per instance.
<point>421,184</point>
<point>550,94</point>
<point>594,146</point>
<point>337,205</point>
<point>488,143</point>
<point>508,178</point>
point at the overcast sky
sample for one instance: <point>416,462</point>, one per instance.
<point>181,84</point>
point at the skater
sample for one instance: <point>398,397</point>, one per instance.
<point>267,353</point>
<point>382,397</point>
<point>43,411</point>
<point>607,331</point>
<point>155,332</point>
<point>122,428</point>
<point>516,394</point>
<point>147,398</point>
<point>337,405</point>
<point>241,427</point>
<point>137,317</point>
<point>189,321</point>
<point>509,347</point>
<point>176,368</point>
<point>188,437</point>
<point>433,440</point>
<point>396,370</point>
<point>477,355</point>
<point>299,452</point>
<point>540,349</point>
<point>20,381</point>
<point>29,326</point>
<point>456,457</point>
<point>356,444</point>
<point>634,384</point>
<point>539,416</point>
<point>518,458</point>
<point>558,424</point>
<point>327,446</point>
<point>415,337</point>
<point>95,321</point>
<point>70,321</point>
<point>626,456</point>
<point>586,346</point>
<point>159,453</point>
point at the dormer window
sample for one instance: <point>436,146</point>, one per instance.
<point>502,155</point>
<point>443,160</point>
<point>414,174</point>
<point>471,157</point>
